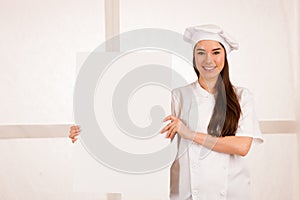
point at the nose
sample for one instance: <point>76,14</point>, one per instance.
<point>208,59</point>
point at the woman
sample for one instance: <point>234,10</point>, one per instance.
<point>226,124</point>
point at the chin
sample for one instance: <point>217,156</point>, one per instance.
<point>209,76</point>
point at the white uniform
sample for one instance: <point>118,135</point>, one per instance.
<point>202,174</point>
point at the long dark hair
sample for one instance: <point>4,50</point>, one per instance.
<point>227,110</point>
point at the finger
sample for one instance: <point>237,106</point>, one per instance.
<point>166,118</point>
<point>74,127</point>
<point>173,132</point>
<point>73,135</point>
<point>167,127</point>
<point>74,140</point>
<point>74,131</point>
<point>170,131</point>
<point>170,117</point>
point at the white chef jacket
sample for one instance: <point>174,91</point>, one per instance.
<point>198,173</point>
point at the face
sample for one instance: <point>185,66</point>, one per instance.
<point>209,58</point>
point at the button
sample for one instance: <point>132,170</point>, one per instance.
<point>223,193</point>
<point>194,164</point>
<point>195,192</point>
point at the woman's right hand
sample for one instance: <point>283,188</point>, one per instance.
<point>74,131</point>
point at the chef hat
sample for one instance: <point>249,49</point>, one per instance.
<point>194,34</point>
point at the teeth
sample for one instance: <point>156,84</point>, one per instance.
<point>209,68</point>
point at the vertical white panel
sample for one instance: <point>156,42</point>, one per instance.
<point>93,176</point>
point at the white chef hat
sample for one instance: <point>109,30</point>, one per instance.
<point>194,34</point>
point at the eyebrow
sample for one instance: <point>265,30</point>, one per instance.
<point>212,50</point>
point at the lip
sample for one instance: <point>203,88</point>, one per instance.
<point>209,68</point>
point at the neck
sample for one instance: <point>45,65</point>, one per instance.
<point>208,85</point>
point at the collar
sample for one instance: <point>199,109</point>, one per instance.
<point>200,90</point>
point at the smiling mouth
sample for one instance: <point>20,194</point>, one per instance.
<point>209,68</point>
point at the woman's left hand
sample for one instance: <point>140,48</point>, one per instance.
<point>177,126</point>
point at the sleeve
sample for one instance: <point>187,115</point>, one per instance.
<point>175,103</point>
<point>248,122</point>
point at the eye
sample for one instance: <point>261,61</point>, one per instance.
<point>216,52</point>
<point>201,53</point>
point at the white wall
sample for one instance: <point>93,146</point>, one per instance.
<point>39,44</point>
<point>266,31</point>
